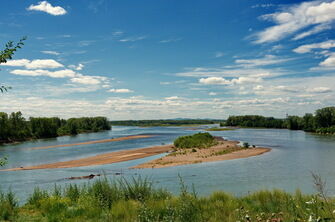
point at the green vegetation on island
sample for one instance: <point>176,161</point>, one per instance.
<point>323,121</point>
<point>138,200</point>
<point>199,140</point>
<point>148,123</point>
<point>15,127</point>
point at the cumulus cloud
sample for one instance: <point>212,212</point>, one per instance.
<point>214,81</point>
<point>64,73</point>
<point>89,80</point>
<point>78,67</point>
<point>120,90</point>
<point>41,72</point>
<point>34,64</point>
<point>46,7</point>
<point>315,14</point>
<point>223,81</point>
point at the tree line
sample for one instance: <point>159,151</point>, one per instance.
<point>322,121</point>
<point>14,127</point>
<point>172,122</point>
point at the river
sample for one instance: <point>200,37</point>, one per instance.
<point>294,155</point>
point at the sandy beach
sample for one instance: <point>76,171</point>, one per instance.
<point>106,158</point>
<point>94,142</point>
<point>225,150</point>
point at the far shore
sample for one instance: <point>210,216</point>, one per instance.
<point>225,150</point>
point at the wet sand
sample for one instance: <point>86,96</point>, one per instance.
<point>224,150</point>
<point>93,142</point>
<point>106,158</point>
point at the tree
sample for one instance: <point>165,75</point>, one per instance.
<point>7,54</point>
<point>325,117</point>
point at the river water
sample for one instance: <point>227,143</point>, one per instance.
<point>294,155</point>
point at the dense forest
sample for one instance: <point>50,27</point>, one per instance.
<point>146,123</point>
<point>14,127</point>
<point>323,121</point>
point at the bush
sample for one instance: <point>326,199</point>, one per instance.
<point>199,140</point>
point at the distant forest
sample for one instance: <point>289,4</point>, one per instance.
<point>147,123</point>
<point>14,127</point>
<point>323,121</point>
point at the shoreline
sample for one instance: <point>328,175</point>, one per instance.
<point>93,142</point>
<point>235,152</point>
<point>225,150</point>
<point>101,159</point>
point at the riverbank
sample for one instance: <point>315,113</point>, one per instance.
<point>224,150</point>
<point>102,159</point>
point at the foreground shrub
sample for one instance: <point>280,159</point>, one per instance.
<point>138,200</point>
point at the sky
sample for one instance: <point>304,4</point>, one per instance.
<point>161,59</point>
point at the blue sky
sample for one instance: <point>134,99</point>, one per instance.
<point>152,59</point>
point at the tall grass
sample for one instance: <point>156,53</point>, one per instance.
<point>137,200</point>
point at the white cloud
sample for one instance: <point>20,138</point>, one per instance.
<point>41,72</point>
<point>266,60</point>
<point>320,90</point>
<point>45,6</point>
<point>172,98</point>
<point>133,39</point>
<point>258,87</point>
<point>170,40</point>
<point>328,62</point>
<point>50,52</point>
<point>88,80</point>
<point>120,90</point>
<point>34,64</point>
<point>78,67</point>
<point>212,93</point>
<point>223,81</point>
<point>309,47</point>
<point>315,30</point>
<point>298,17</point>
<point>214,81</point>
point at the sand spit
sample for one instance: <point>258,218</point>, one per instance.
<point>94,142</point>
<point>106,158</point>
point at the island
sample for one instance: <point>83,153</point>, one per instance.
<point>203,147</point>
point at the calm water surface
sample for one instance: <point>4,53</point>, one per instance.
<point>294,155</point>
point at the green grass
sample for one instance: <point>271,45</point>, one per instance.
<point>137,200</point>
<point>199,140</point>
<point>219,129</point>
